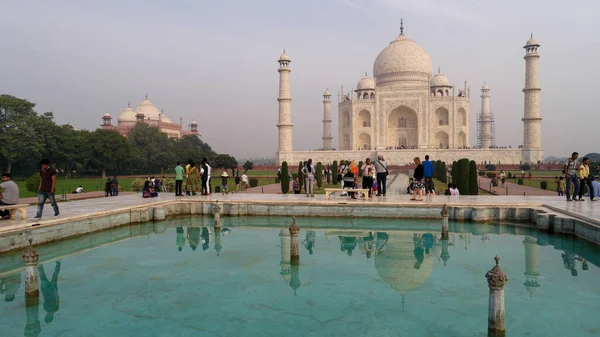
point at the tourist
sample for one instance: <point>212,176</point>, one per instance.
<point>157,184</point>
<point>204,177</point>
<point>187,167</point>
<point>502,177</point>
<point>79,190</point>
<point>349,182</point>
<point>494,183</point>
<point>108,188</point>
<point>9,285</point>
<point>309,242</point>
<point>382,173</point>
<point>596,186</point>
<point>193,236</point>
<point>296,185</point>
<point>148,190</point>
<point>419,180</point>
<point>163,184</point>
<point>560,186</point>
<point>9,194</point>
<point>178,179</point>
<point>354,169</point>
<point>448,191</point>
<point>50,291</point>
<point>368,169</point>
<point>224,177</point>
<point>454,190</point>
<point>342,170</point>
<point>570,172</point>
<point>278,174</point>
<point>114,185</point>
<point>309,173</point>
<point>237,182</point>
<point>411,186</point>
<point>244,182</point>
<point>584,179</point>
<point>46,189</point>
<point>428,174</point>
<point>209,171</point>
<point>191,184</point>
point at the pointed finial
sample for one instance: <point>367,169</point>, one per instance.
<point>439,70</point>
<point>497,258</point>
<point>366,73</point>
<point>284,50</point>
<point>146,96</point>
<point>532,35</point>
<point>129,104</point>
<point>401,26</point>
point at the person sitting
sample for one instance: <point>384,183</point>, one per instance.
<point>148,191</point>
<point>411,186</point>
<point>454,190</point>
<point>9,194</point>
<point>349,183</point>
<point>447,191</point>
<point>78,190</point>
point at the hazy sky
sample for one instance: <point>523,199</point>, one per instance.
<point>215,61</point>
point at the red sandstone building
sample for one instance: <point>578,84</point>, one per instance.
<point>147,113</point>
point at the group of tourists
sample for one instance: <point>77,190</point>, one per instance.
<point>198,179</point>
<point>578,175</point>
<point>422,179</point>
<point>111,187</point>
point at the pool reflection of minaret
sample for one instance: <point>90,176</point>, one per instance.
<point>532,259</point>
<point>286,243</point>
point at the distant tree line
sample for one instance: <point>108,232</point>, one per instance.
<point>26,137</point>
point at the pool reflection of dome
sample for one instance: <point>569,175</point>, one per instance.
<point>396,263</point>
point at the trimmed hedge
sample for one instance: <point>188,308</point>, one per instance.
<point>463,176</point>
<point>334,172</point>
<point>520,181</point>
<point>444,176</point>
<point>300,175</point>
<point>319,175</point>
<point>473,184</point>
<point>253,182</point>
<point>360,164</point>
<point>544,185</point>
<point>490,175</point>
<point>285,178</point>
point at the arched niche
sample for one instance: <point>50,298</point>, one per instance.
<point>461,140</point>
<point>441,140</point>
<point>364,118</point>
<point>441,116</point>
<point>462,117</point>
<point>364,141</point>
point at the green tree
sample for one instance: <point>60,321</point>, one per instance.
<point>319,175</point>
<point>327,175</point>
<point>248,165</point>
<point>463,176</point>
<point>454,172</point>
<point>300,175</point>
<point>360,164</point>
<point>155,146</point>
<point>473,179</point>
<point>110,150</point>
<point>285,178</point>
<point>438,170</point>
<point>444,176</point>
<point>334,172</point>
<point>225,161</point>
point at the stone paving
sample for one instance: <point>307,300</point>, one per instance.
<point>514,189</point>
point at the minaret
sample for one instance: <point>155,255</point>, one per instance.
<point>532,140</point>
<point>327,139</point>
<point>532,260</point>
<point>485,137</point>
<point>285,115</point>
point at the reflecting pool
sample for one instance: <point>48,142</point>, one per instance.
<point>357,277</point>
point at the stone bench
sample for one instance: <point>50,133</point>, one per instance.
<point>328,191</point>
<point>22,209</point>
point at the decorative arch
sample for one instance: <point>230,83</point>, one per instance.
<point>372,95</point>
<point>364,141</point>
<point>442,140</point>
<point>440,92</point>
<point>447,92</point>
<point>441,116</point>
<point>346,119</point>
<point>462,139</point>
<point>402,124</point>
<point>346,140</point>
<point>364,118</point>
<point>432,93</point>
<point>365,96</point>
<point>462,117</point>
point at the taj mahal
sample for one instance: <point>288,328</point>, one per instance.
<point>406,112</point>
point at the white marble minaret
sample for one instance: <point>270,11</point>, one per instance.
<point>532,119</point>
<point>485,138</point>
<point>285,114</point>
<point>327,139</point>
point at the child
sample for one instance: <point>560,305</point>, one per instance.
<point>411,186</point>
<point>224,176</point>
<point>561,186</point>
<point>448,191</point>
<point>296,186</point>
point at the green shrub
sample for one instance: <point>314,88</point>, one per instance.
<point>360,164</point>
<point>444,177</point>
<point>520,181</point>
<point>490,175</point>
<point>454,172</point>
<point>327,175</point>
<point>482,173</point>
<point>253,182</point>
<point>33,182</point>
<point>217,189</point>
<point>463,176</point>
<point>510,175</point>
<point>137,185</point>
<point>525,167</point>
<point>544,185</point>
<point>285,178</point>
<point>473,183</point>
<point>319,175</point>
<point>300,175</point>
<point>334,172</point>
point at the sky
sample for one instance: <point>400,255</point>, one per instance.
<point>216,61</point>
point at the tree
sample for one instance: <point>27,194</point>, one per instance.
<point>360,164</point>
<point>300,175</point>
<point>224,161</point>
<point>155,146</point>
<point>285,178</point>
<point>319,175</point>
<point>110,150</point>
<point>437,169</point>
<point>248,165</point>
<point>444,176</point>
<point>463,176</point>
<point>473,184</point>
<point>327,175</point>
<point>525,167</point>
<point>454,172</point>
<point>334,172</point>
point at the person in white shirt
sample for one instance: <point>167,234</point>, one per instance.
<point>309,175</point>
<point>79,189</point>
<point>9,194</point>
<point>244,182</point>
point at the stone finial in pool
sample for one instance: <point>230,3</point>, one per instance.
<point>216,208</point>
<point>30,257</point>
<point>445,213</point>
<point>496,277</point>
<point>294,230</point>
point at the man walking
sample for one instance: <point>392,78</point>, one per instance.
<point>382,173</point>
<point>584,178</point>
<point>114,184</point>
<point>428,173</point>
<point>570,170</point>
<point>178,179</point>
<point>46,189</point>
<point>9,194</point>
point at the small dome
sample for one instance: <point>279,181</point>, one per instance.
<point>284,57</point>
<point>128,115</point>
<point>194,122</point>
<point>327,93</point>
<point>148,110</point>
<point>531,42</point>
<point>485,86</point>
<point>402,55</point>
<point>365,83</point>
<point>106,115</point>
<point>440,80</point>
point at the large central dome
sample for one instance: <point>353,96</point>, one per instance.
<point>402,59</point>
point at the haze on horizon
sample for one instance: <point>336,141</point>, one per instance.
<point>215,61</point>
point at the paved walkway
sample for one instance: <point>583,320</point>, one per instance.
<point>71,197</point>
<point>514,189</point>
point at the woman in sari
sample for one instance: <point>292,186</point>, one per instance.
<point>193,176</point>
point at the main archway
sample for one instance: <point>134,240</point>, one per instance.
<point>402,128</point>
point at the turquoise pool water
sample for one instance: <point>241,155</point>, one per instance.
<point>177,278</point>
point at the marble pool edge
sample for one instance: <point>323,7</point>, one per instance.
<point>532,215</point>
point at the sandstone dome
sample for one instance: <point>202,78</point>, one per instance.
<point>148,110</point>
<point>396,263</point>
<point>440,80</point>
<point>401,57</point>
<point>128,115</point>
<point>365,83</point>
